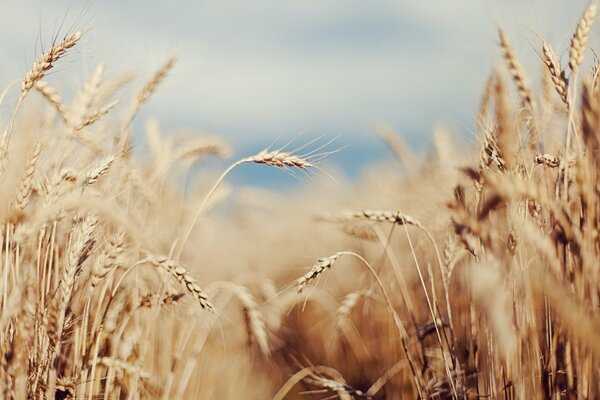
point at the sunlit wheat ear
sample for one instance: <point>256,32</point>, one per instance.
<point>98,170</point>
<point>394,217</point>
<point>182,275</point>
<point>94,116</point>
<point>286,160</point>
<point>516,70</point>
<point>359,231</point>
<point>255,323</point>
<point>124,366</point>
<point>506,137</point>
<point>341,389</point>
<point>199,147</point>
<point>317,269</point>
<point>557,74</point>
<point>280,159</point>
<point>580,37</point>
<point>397,145</point>
<point>348,303</point>
<point>108,259</point>
<point>52,96</point>
<point>44,62</point>
<point>86,97</point>
<point>24,192</point>
<point>150,86</point>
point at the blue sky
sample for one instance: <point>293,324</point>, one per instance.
<point>252,71</point>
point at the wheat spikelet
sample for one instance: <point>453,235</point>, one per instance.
<point>256,327</point>
<point>52,96</point>
<point>24,192</point>
<point>485,100</point>
<point>182,275</point>
<point>4,142</point>
<point>280,159</point>
<point>557,74</point>
<point>394,217</point>
<point>110,362</point>
<point>150,86</point>
<point>551,161</point>
<point>348,303</point>
<point>505,133</point>
<point>489,152</point>
<point>315,271</point>
<point>595,74</point>
<point>580,37</point>
<point>95,116</point>
<point>360,231</point>
<point>340,388</point>
<point>394,141</point>
<point>81,242</point>
<point>108,259</point>
<point>86,98</point>
<point>590,120</point>
<point>202,146</point>
<point>516,71</point>
<point>98,170</point>
<point>46,61</point>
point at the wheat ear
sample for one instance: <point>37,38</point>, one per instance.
<point>316,270</point>
<point>24,192</point>
<point>580,37</point>
<point>277,159</point>
<point>182,275</point>
<point>557,74</point>
<point>46,61</point>
<point>516,70</point>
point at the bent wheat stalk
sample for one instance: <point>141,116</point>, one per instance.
<point>275,158</point>
<point>325,263</point>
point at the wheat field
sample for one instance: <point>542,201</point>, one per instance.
<point>468,272</point>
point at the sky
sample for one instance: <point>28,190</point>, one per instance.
<point>258,71</point>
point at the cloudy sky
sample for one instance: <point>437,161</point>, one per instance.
<point>252,71</point>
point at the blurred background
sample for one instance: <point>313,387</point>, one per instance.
<point>263,71</point>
